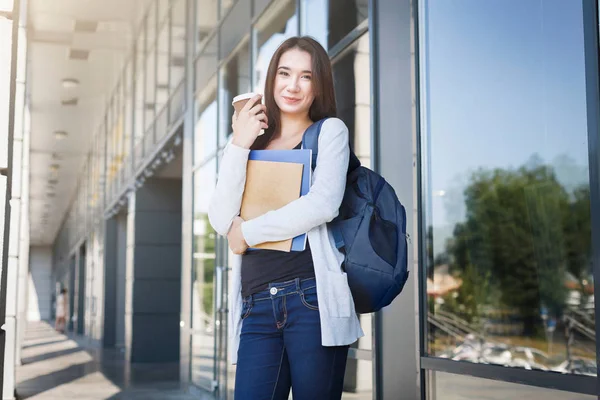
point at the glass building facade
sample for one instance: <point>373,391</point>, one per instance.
<point>483,115</point>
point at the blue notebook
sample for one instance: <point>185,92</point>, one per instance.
<point>304,157</point>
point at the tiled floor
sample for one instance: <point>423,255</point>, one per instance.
<point>60,367</point>
<point>57,367</point>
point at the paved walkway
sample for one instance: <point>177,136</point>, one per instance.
<point>58,367</point>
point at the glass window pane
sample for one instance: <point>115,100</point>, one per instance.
<point>139,88</point>
<point>277,24</point>
<point>128,108</point>
<point>235,79</point>
<point>207,62</point>
<point>206,20</point>
<point>151,25</point>
<point>352,80</point>
<point>150,103</point>
<point>205,136</point>
<point>507,197</point>
<point>226,6</point>
<point>330,21</point>
<point>445,386</point>
<point>162,72</point>
<point>203,277</point>
<point>178,15</point>
<point>163,10</point>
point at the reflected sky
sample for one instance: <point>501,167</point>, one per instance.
<point>504,84</point>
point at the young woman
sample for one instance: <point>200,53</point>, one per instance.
<point>61,311</point>
<point>291,315</point>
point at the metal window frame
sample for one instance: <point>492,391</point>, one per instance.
<point>592,71</point>
<point>7,172</point>
<point>543,379</point>
<point>588,385</point>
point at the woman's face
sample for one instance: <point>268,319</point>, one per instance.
<point>293,89</point>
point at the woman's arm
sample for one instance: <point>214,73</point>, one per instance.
<point>227,198</point>
<point>322,202</point>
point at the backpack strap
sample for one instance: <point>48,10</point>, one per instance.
<point>310,140</point>
<point>336,232</point>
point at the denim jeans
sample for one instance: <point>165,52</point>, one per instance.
<point>280,347</point>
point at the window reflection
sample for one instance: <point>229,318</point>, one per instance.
<point>226,6</point>
<point>178,15</point>
<point>207,62</point>
<point>128,82</point>
<point>330,21</point>
<point>509,277</point>
<point>278,23</point>
<point>203,274</point>
<point>150,100</point>
<point>162,72</point>
<point>206,20</point>
<point>139,86</point>
<point>352,80</point>
<point>205,136</point>
<point>444,386</point>
<point>235,79</point>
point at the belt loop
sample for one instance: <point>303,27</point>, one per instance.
<point>298,287</point>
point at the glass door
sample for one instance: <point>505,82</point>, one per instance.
<point>223,373</point>
<point>204,281</point>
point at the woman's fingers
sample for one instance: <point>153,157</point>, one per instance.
<point>258,109</point>
<point>251,102</point>
<point>263,117</point>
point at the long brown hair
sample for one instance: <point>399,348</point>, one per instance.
<point>322,85</point>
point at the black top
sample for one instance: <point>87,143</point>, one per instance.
<point>260,267</point>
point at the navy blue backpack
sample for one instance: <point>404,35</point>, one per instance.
<point>370,231</point>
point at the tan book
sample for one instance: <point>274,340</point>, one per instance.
<point>270,185</point>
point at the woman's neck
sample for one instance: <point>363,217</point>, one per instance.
<point>293,125</point>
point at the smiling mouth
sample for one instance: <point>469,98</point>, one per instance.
<point>290,99</point>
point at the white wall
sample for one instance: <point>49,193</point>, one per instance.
<point>40,284</point>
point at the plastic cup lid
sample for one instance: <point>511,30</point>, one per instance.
<point>243,96</point>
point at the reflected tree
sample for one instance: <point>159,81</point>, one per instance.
<point>517,241</point>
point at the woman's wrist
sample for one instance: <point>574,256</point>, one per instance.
<point>240,143</point>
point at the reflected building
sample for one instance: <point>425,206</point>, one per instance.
<point>481,114</point>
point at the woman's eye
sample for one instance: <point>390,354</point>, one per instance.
<point>283,73</point>
<point>307,77</point>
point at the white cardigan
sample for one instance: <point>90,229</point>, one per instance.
<point>310,213</point>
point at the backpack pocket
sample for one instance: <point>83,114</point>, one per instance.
<point>383,236</point>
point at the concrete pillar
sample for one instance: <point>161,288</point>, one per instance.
<point>397,326</point>
<point>19,179</point>
<point>110,282</point>
<point>115,247</point>
<point>72,312</point>
<point>153,281</point>
<point>81,293</point>
<point>121,279</point>
<point>40,284</point>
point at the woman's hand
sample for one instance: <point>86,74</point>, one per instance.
<point>237,243</point>
<point>247,124</point>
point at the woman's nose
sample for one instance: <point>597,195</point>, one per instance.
<point>293,86</point>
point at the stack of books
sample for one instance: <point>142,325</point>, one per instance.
<point>274,178</point>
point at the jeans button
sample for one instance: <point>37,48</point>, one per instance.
<point>273,291</point>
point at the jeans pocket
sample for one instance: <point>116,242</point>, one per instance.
<point>246,308</point>
<point>309,298</point>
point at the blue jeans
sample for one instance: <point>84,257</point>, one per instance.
<point>280,347</point>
